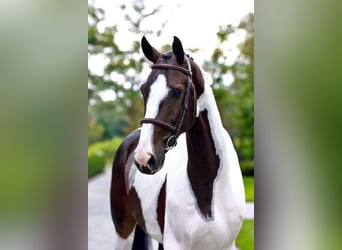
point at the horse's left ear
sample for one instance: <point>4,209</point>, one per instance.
<point>177,49</point>
<point>151,53</point>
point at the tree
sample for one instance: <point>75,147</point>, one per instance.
<point>120,116</point>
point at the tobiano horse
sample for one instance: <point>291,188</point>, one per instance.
<point>176,181</point>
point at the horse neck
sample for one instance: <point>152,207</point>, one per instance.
<point>206,141</point>
<point>208,130</point>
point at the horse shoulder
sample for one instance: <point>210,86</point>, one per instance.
<point>120,208</point>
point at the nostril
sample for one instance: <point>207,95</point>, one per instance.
<point>148,165</point>
<point>152,162</point>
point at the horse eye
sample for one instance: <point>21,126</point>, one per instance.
<point>176,92</point>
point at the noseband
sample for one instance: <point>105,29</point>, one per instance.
<point>175,130</point>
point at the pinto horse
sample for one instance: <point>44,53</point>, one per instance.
<point>176,181</point>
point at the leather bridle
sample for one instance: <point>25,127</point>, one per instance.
<point>175,130</point>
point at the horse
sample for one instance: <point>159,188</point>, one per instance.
<point>176,181</point>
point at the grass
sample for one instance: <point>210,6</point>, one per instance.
<point>245,240</point>
<point>249,187</point>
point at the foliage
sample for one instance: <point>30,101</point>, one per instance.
<point>249,187</point>
<point>245,240</point>
<point>96,163</point>
<point>247,167</point>
<point>111,120</point>
<point>106,148</point>
<point>95,131</point>
<point>101,154</point>
<point>121,72</point>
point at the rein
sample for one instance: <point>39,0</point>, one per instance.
<point>175,130</point>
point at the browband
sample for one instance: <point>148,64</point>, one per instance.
<point>174,67</point>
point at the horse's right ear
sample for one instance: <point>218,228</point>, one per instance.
<point>151,53</point>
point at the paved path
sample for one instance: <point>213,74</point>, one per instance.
<point>100,226</point>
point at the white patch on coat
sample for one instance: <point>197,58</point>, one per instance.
<point>148,188</point>
<point>229,162</point>
<point>158,91</point>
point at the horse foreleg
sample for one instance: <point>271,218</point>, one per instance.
<point>123,221</point>
<point>123,243</point>
<point>121,212</point>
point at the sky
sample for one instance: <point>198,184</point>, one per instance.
<point>194,22</point>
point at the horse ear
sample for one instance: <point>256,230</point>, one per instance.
<point>151,53</point>
<point>177,49</point>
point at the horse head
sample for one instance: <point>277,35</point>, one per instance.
<point>170,98</point>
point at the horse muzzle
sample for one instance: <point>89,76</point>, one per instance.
<point>148,165</point>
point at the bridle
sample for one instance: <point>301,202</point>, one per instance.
<point>175,130</point>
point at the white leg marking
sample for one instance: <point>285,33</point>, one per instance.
<point>124,244</point>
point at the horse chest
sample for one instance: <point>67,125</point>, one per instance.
<point>149,189</point>
<point>186,228</point>
<point>149,195</point>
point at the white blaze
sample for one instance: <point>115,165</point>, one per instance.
<point>158,91</point>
